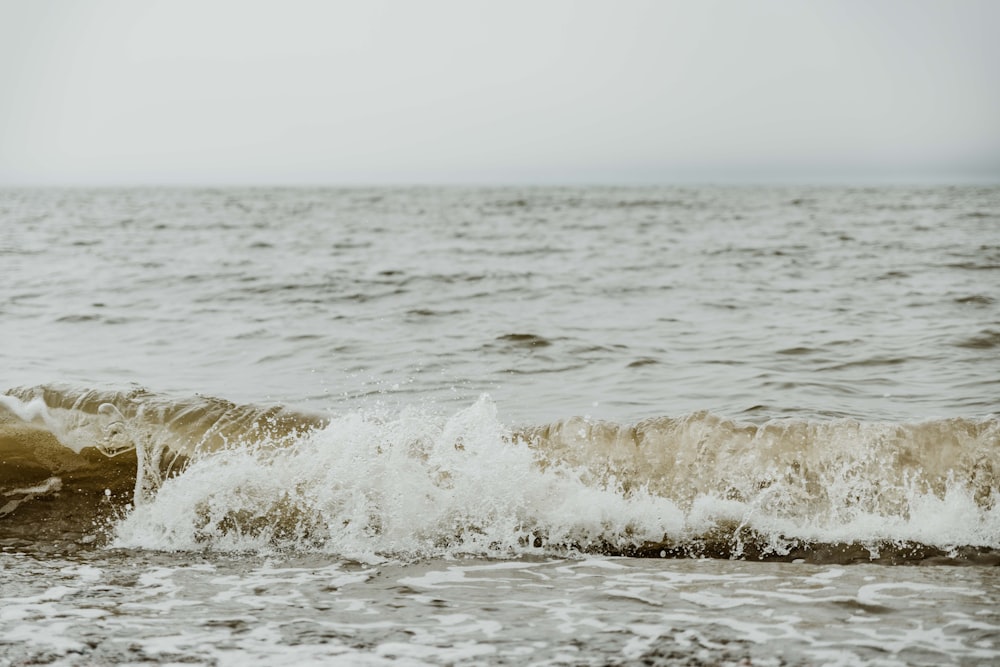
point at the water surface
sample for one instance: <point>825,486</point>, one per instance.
<point>487,426</point>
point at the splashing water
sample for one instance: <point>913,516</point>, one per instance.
<point>214,475</point>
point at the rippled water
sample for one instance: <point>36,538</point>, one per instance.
<point>621,304</point>
<point>248,426</point>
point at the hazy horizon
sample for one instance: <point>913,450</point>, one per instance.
<point>109,93</point>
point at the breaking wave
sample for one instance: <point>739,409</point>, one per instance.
<point>203,473</point>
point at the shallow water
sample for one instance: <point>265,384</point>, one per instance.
<point>135,607</point>
<point>431,426</point>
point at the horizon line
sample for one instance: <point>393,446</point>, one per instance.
<point>993,181</point>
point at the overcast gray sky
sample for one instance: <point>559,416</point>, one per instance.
<point>463,91</point>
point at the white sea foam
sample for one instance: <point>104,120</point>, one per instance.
<point>420,484</point>
<point>308,610</point>
<point>415,485</point>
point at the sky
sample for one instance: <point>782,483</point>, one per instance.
<point>220,92</point>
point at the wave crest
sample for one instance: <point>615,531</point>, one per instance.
<point>215,475</point>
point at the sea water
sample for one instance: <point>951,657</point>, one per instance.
<point>551,426</point>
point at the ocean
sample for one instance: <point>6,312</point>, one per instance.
<point>489,426</point>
